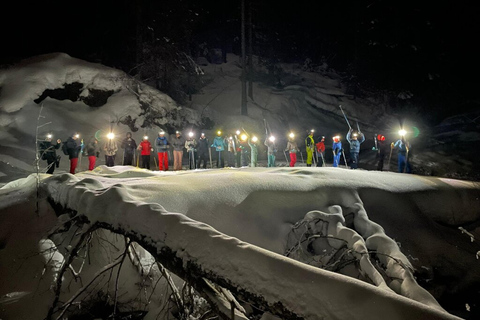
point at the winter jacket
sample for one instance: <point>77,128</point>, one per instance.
<point>382,147</point>
<point>190,144</point>
<point>161,144</point>
<point>145,147</point>
<point>337,147</point>
<point>47,150</point>
<point>309,142</point>
<point>203,146</point>
<point>72,148</point>
<point>93,149</point>
<point>270,146</point>
<point>218,144</point>
<point>254,148</point>
<point>355,144</point>
<point>231,145</point>
<point>292,147</point>
<point>177,143</point>
<point>129,145</point>
<point>320,146</point>
<point>402,146</point>
<point>110,148</point>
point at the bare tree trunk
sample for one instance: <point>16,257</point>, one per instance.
<point>244,74</point>
<point>250,51</point>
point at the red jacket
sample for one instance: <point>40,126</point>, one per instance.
<point>145,147</point>
<point>320,146</point>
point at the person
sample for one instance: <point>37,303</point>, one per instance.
<point>73,149</point>
<point>320,150</point>
<point>292,148</point>
<point>129,145</point>
<point>238,149</point>
<point>270,144</point>
<point>110,147</point>
<point>310,145</point>
<point>145,148</point>
<point>243,146</point>
<point>93,152</point>
<point>48,153</point>
<point>203,155</point>
<point>382,149</point>
<point>178,143</point>
<point>161,145</point>
<point>253,143</point>
<point>355,139</point>
<point>403,149</point>
<point>230,142</point>
<point>190,145</point>
<point>219,145</point>
<point>337,150</point>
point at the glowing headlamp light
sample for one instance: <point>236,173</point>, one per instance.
<point>402,132</point>
<point>49,136</point>
<point>237,132</point>
<point>254,139</point>
<point>291,135</point>
<point>145,137</point>
<point>272,138</point>
<point>77,136</point>
<point>243,137</point>
<point>190,134</point>
<point>111,135</point>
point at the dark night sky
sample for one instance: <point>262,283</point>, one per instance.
<point>390,44</point>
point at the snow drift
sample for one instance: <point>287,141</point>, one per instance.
<point>232,227</point>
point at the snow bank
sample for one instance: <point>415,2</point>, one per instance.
<point>245,215</point>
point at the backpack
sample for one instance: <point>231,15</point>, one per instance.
<point>64,149</point>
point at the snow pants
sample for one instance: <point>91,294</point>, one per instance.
<point>73,165</point>
<point>51,161</point>
<point>403,164</point>
<point>354,156</point>
<point>271,160</point>
<point>253,162</point>
<point>231,159</point>
<point>91,162</point>
<point>320,159</point>
<point>177,160</point>
<point>110,161</point>
<point>293,159</point>
<point>146,161</point>
<point>128,159</point>
<point>238,158</point>
<point>243,157</point>
<point>163,161</point>
<point>381,160</point>
<point>192,163</point>
<point>336,159</point>
<point>202,159</point>
<point>309,157</point>
<point>220,159</point>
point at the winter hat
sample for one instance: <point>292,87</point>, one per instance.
<point>129,133</point>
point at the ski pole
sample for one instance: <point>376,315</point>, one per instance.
<point>285,153</point>
<point>349,126</point>
<point>323,159</point>
<point>313,157</point>
<point>344,159</point>
<point>138,158</point>
<point>406,160</point>
<point>301,155</point>
<point>155,159</point>
<point>123,158</point>
<point>358,127</point>
<point>210,154</point>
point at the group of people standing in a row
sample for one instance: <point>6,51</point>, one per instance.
<point>239,149</point>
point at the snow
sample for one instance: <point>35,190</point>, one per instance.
<point>246,215</point>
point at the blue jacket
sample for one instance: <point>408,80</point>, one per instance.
<point>355,144</point>
<point>337,146</point>
<point>402,146</point>
<point>218,144</point>
<point>161,144</point>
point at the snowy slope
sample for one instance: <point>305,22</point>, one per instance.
<point>235,223</point>
<point>77,96</point>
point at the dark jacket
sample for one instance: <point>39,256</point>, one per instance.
<point>203,146</point>
<point>129,145</point>
<point>93,149</point>
<point>47,150</point>
<point>177,143</point>
<point>72,148</point>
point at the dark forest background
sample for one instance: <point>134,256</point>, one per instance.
<point>418,55</point>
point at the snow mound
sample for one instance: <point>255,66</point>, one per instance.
<point>246,215</point>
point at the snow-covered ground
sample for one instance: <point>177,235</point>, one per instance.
<point>235,224</point>
<point>390,244</point>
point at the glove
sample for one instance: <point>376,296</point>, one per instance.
<point>392,145</point>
